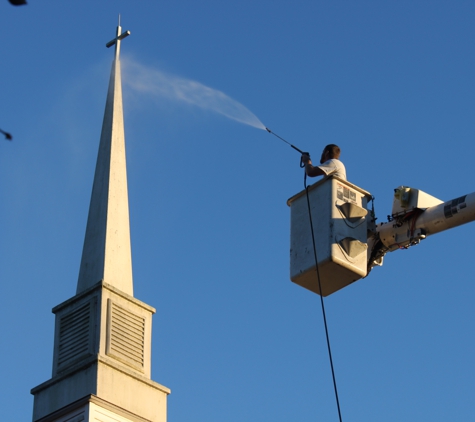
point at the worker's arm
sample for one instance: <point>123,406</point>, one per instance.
<point>311,170</point>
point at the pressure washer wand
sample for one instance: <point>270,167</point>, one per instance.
<point>302,164</point>
<point>288,143</point>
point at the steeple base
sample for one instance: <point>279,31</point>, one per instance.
<point>103,350</point>
<point>93,409</point>
<point>140,399</point>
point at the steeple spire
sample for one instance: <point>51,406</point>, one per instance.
<point>106,253</point>
<point>103,336</point>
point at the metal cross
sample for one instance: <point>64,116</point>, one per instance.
<point>117,40</point>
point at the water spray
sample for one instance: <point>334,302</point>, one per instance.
<point>293,146</point>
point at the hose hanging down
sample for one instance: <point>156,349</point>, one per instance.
<point>302,164</point>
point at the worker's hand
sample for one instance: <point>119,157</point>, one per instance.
<point>305,159</point>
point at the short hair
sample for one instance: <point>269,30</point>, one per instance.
<point>333,149</point>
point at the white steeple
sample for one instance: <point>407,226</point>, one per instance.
<point>103,335</point>
<point>106,253</point>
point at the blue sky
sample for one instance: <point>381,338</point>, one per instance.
<point>391,82</point>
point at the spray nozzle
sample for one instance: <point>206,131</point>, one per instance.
<point>268,130</point>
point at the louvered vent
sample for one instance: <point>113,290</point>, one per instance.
<point>77,418</point>
<point>74,335</point>
<point>126,336</point>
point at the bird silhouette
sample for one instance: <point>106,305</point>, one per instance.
<point>7,135</point>
<point>17,2</point>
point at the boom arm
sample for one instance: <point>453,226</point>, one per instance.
<point>415,216</point>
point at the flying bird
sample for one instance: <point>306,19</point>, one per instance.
<point>7,135</point>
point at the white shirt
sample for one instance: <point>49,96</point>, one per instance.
<point>334,167</point>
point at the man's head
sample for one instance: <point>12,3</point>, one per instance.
<point>329,152</point>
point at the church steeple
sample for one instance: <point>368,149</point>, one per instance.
<point>103,335</point>
<point>106,253</point>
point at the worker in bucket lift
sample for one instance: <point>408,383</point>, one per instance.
<point>329,163</point>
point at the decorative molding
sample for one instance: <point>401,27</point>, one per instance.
<point>79,410</point>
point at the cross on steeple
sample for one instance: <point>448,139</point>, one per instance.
<point>117,40</point>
